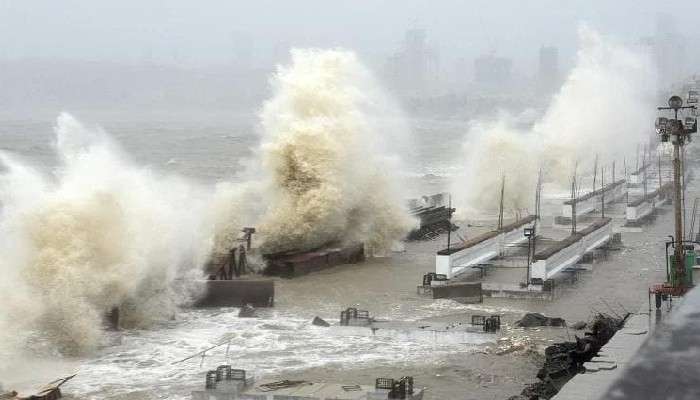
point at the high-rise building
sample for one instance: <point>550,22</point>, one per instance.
<point>413,70</point>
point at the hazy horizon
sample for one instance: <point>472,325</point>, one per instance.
<point>223,32</point>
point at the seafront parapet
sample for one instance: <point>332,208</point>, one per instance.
<point>458,259</point>
<point>567,252</point>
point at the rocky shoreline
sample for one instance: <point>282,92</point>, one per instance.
<point>565,359</point>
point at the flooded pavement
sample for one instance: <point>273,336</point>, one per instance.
<point>283,343</point>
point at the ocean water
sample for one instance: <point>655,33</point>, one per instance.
<point>281,342</point>
<point>142,363</point>
<point>215,149</point>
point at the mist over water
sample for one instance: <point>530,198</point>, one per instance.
<point>102,232</point>
<point>97,234</point>
<point>325,152</point>
<point>600,109</point>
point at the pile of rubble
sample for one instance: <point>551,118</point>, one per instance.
<point>566,359</point>
<point>431,232</point>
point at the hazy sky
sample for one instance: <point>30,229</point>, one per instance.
<point>216,31</point>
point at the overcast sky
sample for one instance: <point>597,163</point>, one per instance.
<point>217,31</point>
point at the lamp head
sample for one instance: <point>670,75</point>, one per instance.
<point>675,102</point>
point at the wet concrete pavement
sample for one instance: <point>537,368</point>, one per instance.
<point>616,282</point>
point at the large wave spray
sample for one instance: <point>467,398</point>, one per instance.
<point>326,134</point>
<point>600,109</point>
<point>103,233</point>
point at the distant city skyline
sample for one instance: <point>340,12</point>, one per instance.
<point>259,33</point>
<point>128,54</point>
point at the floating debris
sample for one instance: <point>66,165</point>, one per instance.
<point>51,391</point>
<point>234,384</point>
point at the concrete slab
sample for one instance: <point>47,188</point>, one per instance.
<point>667,365</point>
<point>602,371</point>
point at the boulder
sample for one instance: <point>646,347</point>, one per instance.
<point>530,320</point>
<point>319,322</point>
<point>566,359</point>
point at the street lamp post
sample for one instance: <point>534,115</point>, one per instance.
<point>678,134</point>
<point>530,235</point>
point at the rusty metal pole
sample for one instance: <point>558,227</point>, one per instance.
<point>573,205</point>
<point>613,172</point>
<point>595,171</point>
<point>602,192</point>
<point>678,134</point>
<point>449,222</point>
<point>678,213</point>
<point>660,179</point>
<point>500,208</point>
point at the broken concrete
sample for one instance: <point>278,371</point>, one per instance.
<point>564,360</point>
<point>237,293</point>
<point>320,322</point>
<point>530,320</point>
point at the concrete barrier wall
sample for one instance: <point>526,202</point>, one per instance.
<point>457,290</point>
<point>635,179</point>
<point>616,194</point>
<point>457,261</point>
<point>548,267</point>
<point>634,214</point>
<point>639,209</point>
<point>582,207</point>
<point>292,265</point>
<point>591,201</point>
<point>237,293</point>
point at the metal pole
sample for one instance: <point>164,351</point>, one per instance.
<point>449,222</point>
<point>682,154</point>
<point>602,189</point>
<point>500,210</point>
<point>529,245</point>
<point>660,181</point>
<point>613,172</point>
<point>678,136</point>
<point>678,248</point>
<point>644,165</point>
<point>627,191</point>
<point>534,246</point>
<point>595,170</point>
<point>573,205</point>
